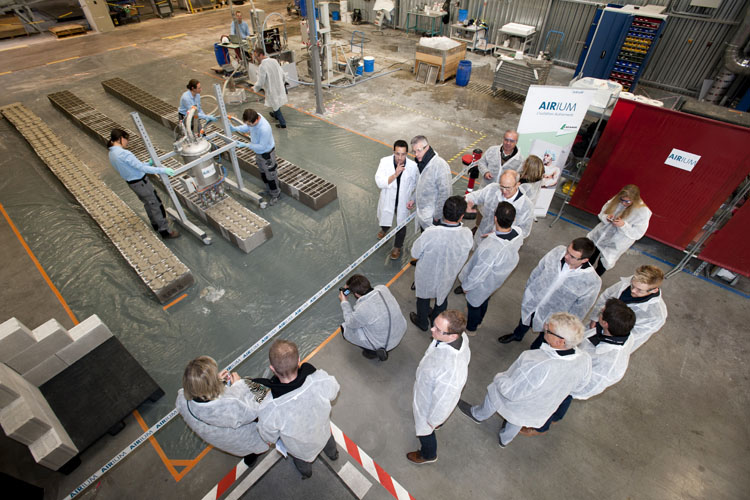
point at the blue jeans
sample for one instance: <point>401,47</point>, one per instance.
<point>429,446</point>
<point>279,116</point>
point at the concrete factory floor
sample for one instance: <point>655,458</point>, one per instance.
<point>672,428</point>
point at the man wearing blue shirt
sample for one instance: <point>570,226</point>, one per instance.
<point>134,172</point>
<point>192,97</point>
<point>264,146</point>
<point>244,29</point>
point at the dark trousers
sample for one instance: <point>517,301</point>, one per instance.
<point>398,242</point>
<point>429,446</point>
<point>476,315</point>
<point>595,259</point>
<point>558,415</point>
<point>152,203</point>
<point>424,316</point>
<point>537,341</point>
<point>279,116</point>
<point>268,171</point>
<point>305,468</point>
<point>521,329</point>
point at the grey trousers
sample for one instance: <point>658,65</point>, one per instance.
<point>305,468</point>
<point>152,203</point>
<point>268,171</point>
<point>486,410</point>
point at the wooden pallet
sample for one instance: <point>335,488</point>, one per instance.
<point>11,27</point>
<point>67,30</point>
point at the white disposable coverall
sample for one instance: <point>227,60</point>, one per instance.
<point>490,162</point>
<point>441,376</point>
<point>613,241</point>
<point>530,391</point>
<point>228,422</point>
<point>301,418</point>
<point>550,290</point>
<point>387,199</point>
<point>650,315</point>
<point>609,362</point>
<point>271,78</point>
<point>489,267</point>
<point>433,188</point>
<point>366,325</point>
<point>441,252</point>
<point>531,189</point>
<point>488,198</point>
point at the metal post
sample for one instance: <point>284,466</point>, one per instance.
<point>315,53</point>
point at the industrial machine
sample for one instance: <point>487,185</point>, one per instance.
<point>205,177</point>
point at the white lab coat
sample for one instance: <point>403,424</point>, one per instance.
<point>609,362</point>
<point>301,418</point>
<point>228,422</point>
<point>441,376</point>
<point>488,198</point>
<point>433,188</point>
<point>613,241</point>
<point>489,267</point>
<point>549,290</point>
<point>531,189</point>
<point>442,251</point>
<point>490,162</point>
<point>530,391</point>
<point>650,315</point>
<point>271,78</point>
<point>368,322</point>
<point>387,199</point>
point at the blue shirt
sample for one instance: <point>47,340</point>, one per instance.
<point>261,136</point>
<point>187,101</point>
<point>244,29</point>
<point>130,167</point>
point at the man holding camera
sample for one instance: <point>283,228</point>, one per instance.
<point>375,323</point>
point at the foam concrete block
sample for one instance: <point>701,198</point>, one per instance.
<point>45,370</point>
<point>7,394</point>
<point>20,423</point>
<point>50,338</point>
<point>87,336</point>
<point>53,450</point>
<point>14,338</point>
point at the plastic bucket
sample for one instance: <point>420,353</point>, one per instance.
<point>221,54</point>
<point>369,64</point>
<point>464,73</point>
<point>336,15</point>
<point>463,14</point>
<point>360,68</point>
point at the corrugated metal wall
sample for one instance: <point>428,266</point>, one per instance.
<point>690,49</point>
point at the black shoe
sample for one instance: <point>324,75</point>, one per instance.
<point>278,125</point>
<point>169,235</point>
<point>382,354</point>
<point>458,290</point>
<point>466,410</point>
<point>333,457</point>
<point>413,286</point>
<point>369,354</point>
<point>507,339</point>
<point>250,459</point>
<point>414,319</point>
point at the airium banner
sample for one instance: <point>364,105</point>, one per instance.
<point>549,123</point>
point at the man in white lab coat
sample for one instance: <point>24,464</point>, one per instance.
<point>441,376</point>
<point>396,177</point>
<point>433,185</point>
<point>271,79</point>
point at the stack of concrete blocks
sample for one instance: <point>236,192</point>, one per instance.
<point>29,358</point>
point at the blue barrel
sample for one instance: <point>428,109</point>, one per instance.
<point>221,54</point>
<point>360,68</point>
<point>463,15</point>
<point>369,64</point>
<point>464,73</point>
<point>336,15</point>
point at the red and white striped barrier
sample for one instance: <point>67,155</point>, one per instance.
<point>226,482</point>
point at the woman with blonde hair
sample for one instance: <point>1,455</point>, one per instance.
<point>532,172</point>
<point>222,408</point>
<point>624,219</point>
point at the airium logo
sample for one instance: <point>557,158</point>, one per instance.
<point>682,160</point>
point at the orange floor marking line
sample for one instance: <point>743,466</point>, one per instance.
<point>175,301</point>
<point>39,266</point>
<point>176,475</point>
<point>195,461</point>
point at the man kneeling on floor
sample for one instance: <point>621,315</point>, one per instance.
<point>376,323</point>
<point>441,376</point>
<point>299,414</point>
<point>528,392</point>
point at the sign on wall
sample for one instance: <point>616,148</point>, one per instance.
<point>682,159</point>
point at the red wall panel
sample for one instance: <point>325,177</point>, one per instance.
<point>729,247</point>
<point>636,142</point>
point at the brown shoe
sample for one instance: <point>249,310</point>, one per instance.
<point>395,253</point>
<point>417,458</point>
<point>381,235</point>
<point>530,431</point>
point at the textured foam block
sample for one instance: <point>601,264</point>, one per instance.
<point>50,338</point>
<point>87,336</point>
<point>14,338</point>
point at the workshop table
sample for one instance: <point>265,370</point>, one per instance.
<point>434,30</point>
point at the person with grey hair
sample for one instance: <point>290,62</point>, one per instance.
<point>530,391</point>
<point>489,197</point>
<point>433,184</point>
<point>498,159</point>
